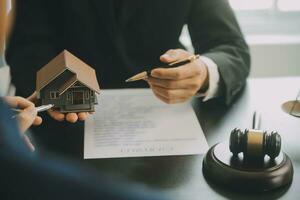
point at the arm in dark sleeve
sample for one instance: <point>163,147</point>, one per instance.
<point>215,34</point>
<point>32,43</point>
<point>46,176</point>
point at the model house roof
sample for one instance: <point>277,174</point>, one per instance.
<point>67,61</point>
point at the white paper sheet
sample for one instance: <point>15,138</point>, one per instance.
<point>133,123</point>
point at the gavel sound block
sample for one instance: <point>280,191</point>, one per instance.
<point>250,161</point>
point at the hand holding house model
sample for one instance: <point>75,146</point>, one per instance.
<point>68,83</point>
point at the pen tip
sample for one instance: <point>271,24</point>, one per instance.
<point>128,80</point>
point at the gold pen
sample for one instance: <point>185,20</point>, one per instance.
<point>178,63</point>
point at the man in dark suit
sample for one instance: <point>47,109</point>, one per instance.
<point>120,38</point>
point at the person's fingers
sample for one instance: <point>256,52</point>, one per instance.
<point>28,115</point>
<point>28,143</point>
<point>160,97</point>
<point>72,117</point>
<point>56,115</point>
<point>173,55</point>
<point>18,102</point>
<point>93,112</point>
<point>172,94</point>
<point>190,83</point>
<point>176,73</point>
<point>37,121</point>
<point>82,116</point>
<point>26,118</point>
<point>169,101</point>
<point>33,97</point>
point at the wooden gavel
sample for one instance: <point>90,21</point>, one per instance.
<point>255,143</point>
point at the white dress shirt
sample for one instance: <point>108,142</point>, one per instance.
<point>5,87</point>
<point>213,80</point>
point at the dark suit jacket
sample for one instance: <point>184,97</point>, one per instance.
<point>120,38</point>
<point>24,175</point>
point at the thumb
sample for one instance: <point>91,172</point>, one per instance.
<point>33,97</point>
<point>169,56</point>
<point>26,118</point>
<point>173,55</point>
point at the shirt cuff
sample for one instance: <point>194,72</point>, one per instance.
<point>213,80</point>
<point>4,80</point>
<point>4,77</point>
<point>2,60</point>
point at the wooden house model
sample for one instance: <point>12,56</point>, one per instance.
<point>68,83</point>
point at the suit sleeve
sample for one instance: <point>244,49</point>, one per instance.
<point>32,43</point>
<point>216,34</point>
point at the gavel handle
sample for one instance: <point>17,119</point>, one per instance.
<point>256,121</point>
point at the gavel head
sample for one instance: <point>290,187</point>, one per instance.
<point>255,143</point>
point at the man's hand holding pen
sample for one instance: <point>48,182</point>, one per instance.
<point>27,117</point>
<point>178,84</point>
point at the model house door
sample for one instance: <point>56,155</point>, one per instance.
<point>78,97</point>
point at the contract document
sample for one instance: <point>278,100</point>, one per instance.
<point>134,123</point>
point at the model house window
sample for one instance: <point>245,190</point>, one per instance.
<point>78,97</point>
<point>69,96</point>
<point>92,94</point>
<point>87,94</point>
<point>54,94</point>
